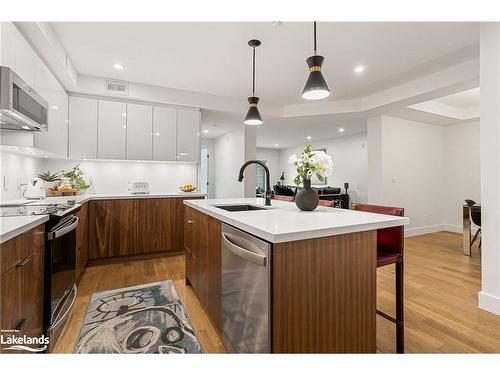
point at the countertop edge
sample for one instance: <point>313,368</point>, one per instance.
<point>4,237</point>
<point>297,236</point>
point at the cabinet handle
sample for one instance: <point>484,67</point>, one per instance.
<point>190,221</point>
<point>21,324</point>
<point>22,262</point>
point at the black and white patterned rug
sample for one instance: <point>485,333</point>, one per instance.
<point>145,318</point>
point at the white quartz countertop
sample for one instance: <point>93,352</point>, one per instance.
<point>82,198</point>
<point>11,227</point>
<point>283,221</point>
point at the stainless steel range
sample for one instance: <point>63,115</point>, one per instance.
<point>60,289</point>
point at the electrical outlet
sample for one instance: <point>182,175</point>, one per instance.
<point>5,183</point>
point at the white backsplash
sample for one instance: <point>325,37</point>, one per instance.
<point>107,176</point>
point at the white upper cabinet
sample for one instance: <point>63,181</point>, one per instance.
<point>8,44</point>
<point>164,133</point>
<point>55,140</point>
<point>82,128</point>
<point>188,135</point>
<point>111,130</point>
<point>139,132</point>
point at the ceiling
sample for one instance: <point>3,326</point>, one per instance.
<point>215,58</point>
<point>285,132</point>
<point>464,99</point>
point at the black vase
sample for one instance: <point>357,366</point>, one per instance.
<point>307,199</point>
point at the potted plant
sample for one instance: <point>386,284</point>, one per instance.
<point>50,181</point>
<point>75,179</point>
<point>310,163</point>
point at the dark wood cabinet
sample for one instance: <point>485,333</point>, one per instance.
<point>21,283</point>
<point>82,241</point>
<point>123,227</point>
<point>203,260</point>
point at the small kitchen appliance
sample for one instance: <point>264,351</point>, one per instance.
<point>138,187</point>
<point>35,189</point>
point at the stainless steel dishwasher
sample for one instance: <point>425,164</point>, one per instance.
<point>246,284</point>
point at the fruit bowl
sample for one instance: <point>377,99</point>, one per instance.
<point>187,188</point>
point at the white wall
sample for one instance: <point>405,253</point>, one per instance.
<point>231,151</point>
<point>489,297</point>
<point>272,156</point>
<point>462,176</point>
<point>113,176</point>
<point>350,159</point>
<point>412,170</point>
<point>17,167</point>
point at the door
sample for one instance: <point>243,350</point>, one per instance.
<point>205,172</point>
<point>164,134</point>
<point>139,132</point>
<point>188,135</point>
<point>111,130</point>
<point>82,128</point>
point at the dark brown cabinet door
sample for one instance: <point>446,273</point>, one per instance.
<point>123,227</point>
<point>203,260</point>
<point>82,241</point>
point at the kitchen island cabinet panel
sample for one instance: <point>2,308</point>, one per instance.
<point>203,261</point>
<point>324,295</point>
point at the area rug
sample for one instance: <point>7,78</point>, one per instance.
<point>145,318</point>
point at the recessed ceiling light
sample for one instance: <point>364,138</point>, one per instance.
<point>118,66</point>
<point>124,114</point>
<point>25,127</point>
<point>359,69</point>
<point>45,156</point>
<point>276,145</point>
<point>205,131</point>
<point>157,134</point>
<point>55,107</point>
<point>341,130</point>
<point>33,153</point>
<point>308,137</point>
<point>124,126</point>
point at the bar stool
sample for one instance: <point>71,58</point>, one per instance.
<point>390,246</point>
<point>475,215</point>
<point>285,198</point>
<point>325,203</point>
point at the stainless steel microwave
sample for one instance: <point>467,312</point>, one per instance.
<point>21,107</point>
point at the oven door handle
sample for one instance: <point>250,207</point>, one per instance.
<point>72,224</point>
<point>68,311</point>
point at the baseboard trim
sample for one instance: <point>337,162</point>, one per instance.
<point>453,228</point>
<point>424,230</point>
<point>489,302</point>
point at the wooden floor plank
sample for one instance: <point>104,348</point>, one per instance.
<point>441,286</point>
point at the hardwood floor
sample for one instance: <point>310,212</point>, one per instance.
<point>441,286</point>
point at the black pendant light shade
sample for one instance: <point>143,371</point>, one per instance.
<point>316,86</point>
<point>253,116</point>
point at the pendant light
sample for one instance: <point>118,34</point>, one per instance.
<point>316,87</point>
<point>253,115</point>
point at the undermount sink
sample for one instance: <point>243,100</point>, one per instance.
<point>239,207</point>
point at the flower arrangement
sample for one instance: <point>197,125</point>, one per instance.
<point>310,163</point>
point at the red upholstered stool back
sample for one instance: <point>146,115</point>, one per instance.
<point>283,198</point>
<point>388,239</point>
<point>325,203</point>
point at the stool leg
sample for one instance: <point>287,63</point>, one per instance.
<point>400,338</point>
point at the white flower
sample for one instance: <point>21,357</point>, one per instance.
<point>324,163</point>
<point>292,159</point>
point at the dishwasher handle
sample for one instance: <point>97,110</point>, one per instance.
<point>244,253</point>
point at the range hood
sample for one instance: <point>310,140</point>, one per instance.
<point>21,107</point>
